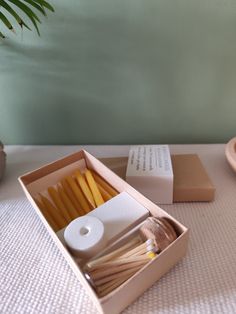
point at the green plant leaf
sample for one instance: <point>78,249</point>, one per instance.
<point>6,21</point>
<point>35,5</point>
<point>24,6</point>
<point>1,35</point>
<point>45,4</point>
<point>25,9</point>
<point>14,14</point>
<point>31,15</point>
<point>48,6</point>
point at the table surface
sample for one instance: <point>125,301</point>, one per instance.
<point>35,278</point>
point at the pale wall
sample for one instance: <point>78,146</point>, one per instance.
<point>123,71</point>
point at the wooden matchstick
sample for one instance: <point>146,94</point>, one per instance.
<point>113,275</point>
<point>105,289</point>
<point>141,249</point>
<point>117,275</point>
<point>115,253</point>
<point>119,261</point>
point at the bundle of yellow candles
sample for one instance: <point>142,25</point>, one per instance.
<point>74,196</point>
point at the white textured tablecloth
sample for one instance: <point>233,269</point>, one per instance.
<point>35,278</point>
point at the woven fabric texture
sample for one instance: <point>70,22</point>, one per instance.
<point>35,278</point>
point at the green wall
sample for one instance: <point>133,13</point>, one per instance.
<point>124,71</point>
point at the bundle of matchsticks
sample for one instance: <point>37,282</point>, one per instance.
<point>73,196</point>
<point>109,271</point>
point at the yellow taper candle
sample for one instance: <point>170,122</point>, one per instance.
<point>67,202</point>
<point>71,196</point>
<point>47,215</point>
<point>93,186</point>
<point>104,184</point>
<point>54,212</point>
<point>79,195</point>
<point>85,188</point>
<point>58,202</point>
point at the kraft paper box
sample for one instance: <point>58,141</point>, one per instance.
<point>114,302</point>
<point>149,170</point>
<point>184,180</point>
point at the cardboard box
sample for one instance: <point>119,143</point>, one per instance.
<point>191,181</point>
<point>40,179</point>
